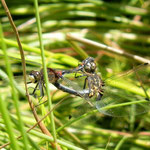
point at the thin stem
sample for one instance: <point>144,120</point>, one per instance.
<point>107,48</point>
<point>78,49</point>
<point>41,125</point>
<point>95,111</point>
<point>14,92</point>
<point>61,142</point>
<point>8,125</point>
<point>44,68</point>
<point>38,121</point>
<point>77,119</point>
<point>121,143</point>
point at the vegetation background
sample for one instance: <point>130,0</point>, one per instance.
<point>120,24</point>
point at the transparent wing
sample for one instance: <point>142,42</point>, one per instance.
<point>127,94</point>
<point>117,102</point>
<point>76,84</point>
<point>79,106</point>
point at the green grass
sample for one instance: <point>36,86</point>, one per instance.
<point>44,30</point>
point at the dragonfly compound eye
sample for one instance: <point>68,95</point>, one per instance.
<point>34,76</point>
<point>90,67</point>
<point>93,66</point>
<point>87,67</point>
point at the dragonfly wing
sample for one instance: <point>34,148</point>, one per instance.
<point>125,96</point>
<point>117,102</point>
<point>77,85</point>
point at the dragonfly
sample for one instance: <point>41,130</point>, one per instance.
<point>87,69</point>
<point>53,75</point>
<point>107,100</point>
<point>113,102</point>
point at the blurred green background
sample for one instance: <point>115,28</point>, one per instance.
<point>120,24</point>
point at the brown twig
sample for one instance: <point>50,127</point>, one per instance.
<point>40,124</point>
<point>107,48</point>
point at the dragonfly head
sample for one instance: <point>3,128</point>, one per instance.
<point>34,76</point>
<point>89,65</point>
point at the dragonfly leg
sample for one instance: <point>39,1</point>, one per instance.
<point>41,89</point>
<point>99,96</point>
<point>91,92</point>
<point>29,82</point>
<point>41,92</point>
<point>44,88</point>
<point>85,81</point>
<point>35,89</point>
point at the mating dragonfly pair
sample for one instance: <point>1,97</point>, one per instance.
<point>114,101</point>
